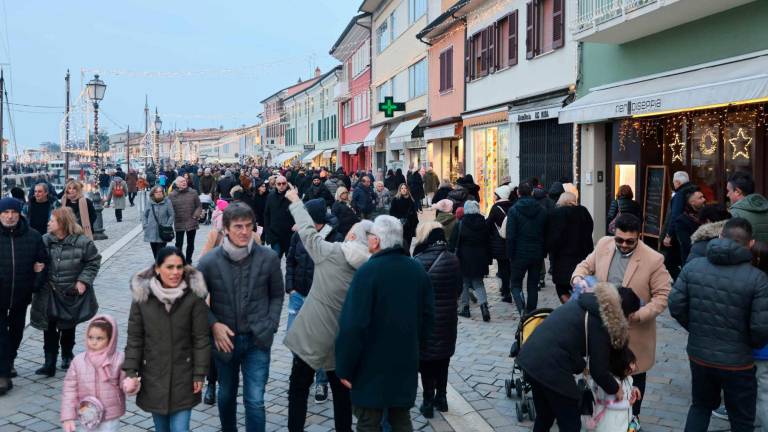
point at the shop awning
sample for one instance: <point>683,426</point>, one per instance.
<point>741,79</point>
<point>496,115</point>
<point>310,155</point>
<point>370,139</point>
<point>403,131</point>
<point>351,148</point>
<point>540,110</point>
<point>328,153</point>
<point>438,132</point>
<point>282,157</point>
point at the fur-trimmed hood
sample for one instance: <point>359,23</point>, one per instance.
<point>609,301</point>
<point>140,289</point>
<point>708,231</point>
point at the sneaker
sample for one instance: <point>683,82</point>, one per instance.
<point>321,393</point>
<point>721,413</point>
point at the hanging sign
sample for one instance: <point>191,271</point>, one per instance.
<point>388,107</point>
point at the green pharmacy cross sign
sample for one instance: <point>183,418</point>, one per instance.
<point>389,107</point>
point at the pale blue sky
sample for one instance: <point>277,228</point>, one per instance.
<point>238,51</point>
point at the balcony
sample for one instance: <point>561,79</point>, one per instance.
<point>621,21</point>
<point>341,91</point>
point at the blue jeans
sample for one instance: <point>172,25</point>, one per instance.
<point>276,247</point>
<point>295,302</point>
<point>174,422</point>
<point>254,363</point>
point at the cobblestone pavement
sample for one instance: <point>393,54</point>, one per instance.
<point>478,369</point>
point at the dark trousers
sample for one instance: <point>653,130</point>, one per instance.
<point>213,374</point>
<point>639,382</point>
<point>302,376</point>
<point>156,246</point>
<point>11,332</point>
<point>53,338</point>
<point>519,268</point>
<point>552,406</point>
<point>119,215</point>
<point>190,243</point>
<point>434,377</point>
<point>131,197</point>
<point>739,388</point>
<point>563,289</point>
<point>504,270</point>
<point>369,419</point>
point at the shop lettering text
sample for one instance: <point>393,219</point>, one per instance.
<point>638,107</point>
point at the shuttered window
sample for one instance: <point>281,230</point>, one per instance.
<point>558,24</point>
<point>512,39</point>
<point>446,70</point>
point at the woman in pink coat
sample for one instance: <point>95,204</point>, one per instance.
<point>92,393</point>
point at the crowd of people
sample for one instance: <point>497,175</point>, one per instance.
<point>375,293</point>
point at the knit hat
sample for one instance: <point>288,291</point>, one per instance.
<point>444,205</point>
<point>221,204</point>
<point>10,204</point>
<point>503,191</point>
<point>471,207</point>
<point>316,210</point>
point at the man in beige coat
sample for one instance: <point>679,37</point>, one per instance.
<point>625,260</point>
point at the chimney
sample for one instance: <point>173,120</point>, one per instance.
<point>317,72</point>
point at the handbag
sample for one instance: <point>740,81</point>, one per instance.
<point>68,308</point>
<point>612,225</point>
<point>586,398</point>
<point>90,412</point>
<point>165,232</point>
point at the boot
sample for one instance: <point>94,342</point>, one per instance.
<point>506,298</point>
<point>5,385</point>
<point>210,394</point>
<point>66,359</point>
<point>49,367</point>
<point>484,311</point>
<point>441,401</point>
<point>464,312</point>
<point>427,407</point>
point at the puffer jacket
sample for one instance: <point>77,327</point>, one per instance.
<point>277,220</point>
<point>624,205</point>
<point>345,214</point>
<point>363,200</point>
<point>299,267</point>
<point>318,191</point>
<point>72,259</point>
<point>676,206</point>
<point>569,240</point>
<point>526,227</point>
<point>495,219</point>
<point>332,184</point>
<point>470,241</point>
<point>20,248</point>
<point>440,265</point>
<point>722,300</point>
<point>163,210</point>
<point>186,209</point>
<point>701,237</point>
<point>754,208</point>
<point>83,380</point>
<point>168,350</point>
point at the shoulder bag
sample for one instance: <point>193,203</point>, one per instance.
<point>586,398</point>
<point>68,308</point>
<point>165,232</point>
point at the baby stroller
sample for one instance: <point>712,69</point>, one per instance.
<point>528,324</point>
<point>207,202</point>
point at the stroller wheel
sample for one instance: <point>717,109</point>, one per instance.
<point>508,387</point>
<point>531,410</point>
<point>519,409</point>
<point>519,387</point>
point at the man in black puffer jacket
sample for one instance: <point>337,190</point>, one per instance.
<point>21,248</point>
<point>722,300</point>
<point>318,190</point>
<point>278,221</point>
<point>526,228</point>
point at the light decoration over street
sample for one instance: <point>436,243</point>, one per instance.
<point>740,143</point>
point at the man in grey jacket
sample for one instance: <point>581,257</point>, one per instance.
<point>245,283</point>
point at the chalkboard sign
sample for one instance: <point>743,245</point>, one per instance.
<point>655,192</point>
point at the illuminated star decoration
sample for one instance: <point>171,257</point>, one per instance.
<point>677,148</point>
<point>712,147</point>
<point>740,145</point>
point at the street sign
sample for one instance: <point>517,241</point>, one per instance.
<point>389,106</point>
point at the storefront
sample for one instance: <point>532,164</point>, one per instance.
<point>355,157</point>
<point>487,151</point>
<point>406,147</point>
<point>375,146</point>
<point>445,150</point>
<point>708,120</point>
<point>328,159</point>
<point>311,158</point>
<point>285,159</point>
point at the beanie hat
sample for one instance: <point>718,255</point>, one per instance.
<point>221,204</point>
<point>503,191</point>
<point>471,207</point>
<point>10,204</point>
<point>444,205</point>
<point>316,210</point>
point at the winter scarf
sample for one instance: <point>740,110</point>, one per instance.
<point>167,296</point>
<point>102,359</point>
<point>236,253</point>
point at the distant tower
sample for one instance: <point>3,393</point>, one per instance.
<point>146,114</point>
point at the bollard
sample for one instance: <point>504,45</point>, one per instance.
<point>98,226</point>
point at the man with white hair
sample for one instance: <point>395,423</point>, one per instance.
<point>681,183</point>
<point>187,209</point>
<point>387,315</point>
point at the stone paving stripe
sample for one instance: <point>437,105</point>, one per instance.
<point>124,240</point>
<point>461,416</point>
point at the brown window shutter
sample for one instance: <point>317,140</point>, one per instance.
<point>513,39</point>
<point>558,24</point>
<point>530,44</point>
<point>483,52</point>
<point>467,59</point>
<point>449,69</point>
<point>442,71</point>
<point>491,53</point>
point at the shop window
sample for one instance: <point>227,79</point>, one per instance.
<point>624,174</point>
<point>705,155</point>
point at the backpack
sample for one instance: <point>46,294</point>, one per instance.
<point>118,191</point>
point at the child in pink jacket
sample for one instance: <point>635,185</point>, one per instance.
<point>92,394</point>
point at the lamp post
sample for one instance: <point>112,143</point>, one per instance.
<point>96,89</point>
<point>158,125</point>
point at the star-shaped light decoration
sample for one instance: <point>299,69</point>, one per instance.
<point>740,145</point>
<point>711,148</point>
<point>677,148</point>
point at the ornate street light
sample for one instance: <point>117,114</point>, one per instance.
<point>158,126</point>
<point>96,89</point>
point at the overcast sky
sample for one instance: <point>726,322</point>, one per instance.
<point>203,63</point>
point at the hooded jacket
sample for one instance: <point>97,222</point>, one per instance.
<point>722,300</point>
<point>20,248</point>
<point>168,350</point>
<point>701,237</point>
<point>470,241</point>
<point>448,221</point>
<point>556,350</point>
<point>83,379</point>
<point>754,208</point>
<point>526,227</point>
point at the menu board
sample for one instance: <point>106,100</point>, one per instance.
<point>655,192</point>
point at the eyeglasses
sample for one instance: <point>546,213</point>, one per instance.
<point>281,183</point>
<point>626,241</point>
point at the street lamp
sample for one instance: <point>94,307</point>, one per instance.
<point>158,125</point>
<point>96,89</point>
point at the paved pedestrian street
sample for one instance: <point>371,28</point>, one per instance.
<point>477,398</point>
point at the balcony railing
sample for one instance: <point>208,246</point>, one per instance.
<point>594,12</point>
